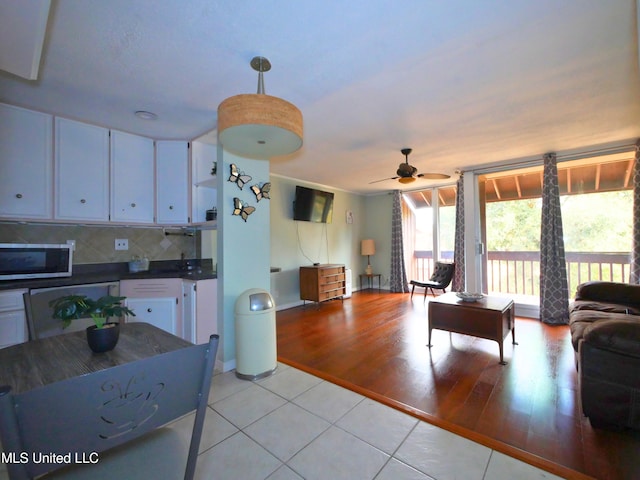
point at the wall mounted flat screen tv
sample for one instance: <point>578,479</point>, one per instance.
<point>311,205</point>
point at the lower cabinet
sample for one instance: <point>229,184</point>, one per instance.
<point>160,312</point>
<point>186,308</point>
<point>13,323</point>
<point>155,301</point>
<point>200,310</point>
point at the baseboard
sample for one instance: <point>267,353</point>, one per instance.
<point>228,365</point>
<point>527,311</point>
<point>286,306</point>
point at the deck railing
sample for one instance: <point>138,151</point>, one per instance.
<point>518,273</point>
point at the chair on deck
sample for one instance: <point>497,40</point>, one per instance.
<point>85,417</point>
<point>440,279</point>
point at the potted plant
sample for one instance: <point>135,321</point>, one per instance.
<point>102,336</point>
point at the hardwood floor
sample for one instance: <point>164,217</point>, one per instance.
<point>375,343</point>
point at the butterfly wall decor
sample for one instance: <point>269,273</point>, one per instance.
<point>262,192</point>
<point>238,177</point>
<point>242,210</point>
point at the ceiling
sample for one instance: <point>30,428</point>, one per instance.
<point>462,82</point>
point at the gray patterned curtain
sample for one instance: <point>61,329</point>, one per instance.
<point>458,284</point>
<point>398,280</point>
<point>635,255</point>
<point>554,292</point>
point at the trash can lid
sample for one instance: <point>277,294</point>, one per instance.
<point>260,301</point>
<point>254,300</point>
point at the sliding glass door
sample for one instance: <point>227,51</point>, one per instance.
<point>429,220</point>
<point>597,202</point>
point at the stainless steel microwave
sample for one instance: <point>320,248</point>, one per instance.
<point>35,260</point>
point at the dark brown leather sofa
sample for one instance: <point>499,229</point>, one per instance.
<point>605,333</point>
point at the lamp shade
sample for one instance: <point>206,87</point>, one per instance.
<point>367,247</point>
<point>259,126</point>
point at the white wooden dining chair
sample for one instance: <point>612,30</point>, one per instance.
<point>116,416</point>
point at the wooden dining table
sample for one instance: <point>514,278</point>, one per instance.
<point>29,365</point>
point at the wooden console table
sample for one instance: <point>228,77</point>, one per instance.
<point>319,283</point>
<point>492,318</point>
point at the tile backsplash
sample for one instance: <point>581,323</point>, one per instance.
<point>96,244</point>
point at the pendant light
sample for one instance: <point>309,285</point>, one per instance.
<point>259,125</point>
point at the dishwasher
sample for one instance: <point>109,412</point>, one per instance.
<point>39,314</point>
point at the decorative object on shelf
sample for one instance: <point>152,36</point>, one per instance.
<point>214,169</point>
<point>242,210</point>
<point>469,297</point>
<point>238,177</point>
<point>368,248</point>
<point>212,214</point>
<point>262,192</point>
<point>103,336</point>
<point>259,125</point>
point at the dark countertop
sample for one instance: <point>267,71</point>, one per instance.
<point>192,269</point>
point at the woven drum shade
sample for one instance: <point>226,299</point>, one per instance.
<point>259,126</point>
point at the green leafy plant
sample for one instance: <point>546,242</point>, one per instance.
<point>71,307</point>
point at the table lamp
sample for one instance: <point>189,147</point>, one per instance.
<point>368,247</point>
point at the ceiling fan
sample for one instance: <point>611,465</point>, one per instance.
<point>407,173</point>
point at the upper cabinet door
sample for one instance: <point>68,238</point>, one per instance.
<point>132,180</point>
<point>25,163</point>
<point>82,171</point>
<point>172,182</point>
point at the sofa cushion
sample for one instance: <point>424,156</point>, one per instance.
<point>609,292</point>
<point>604,307</point>
<point>579,320</point>
<point>620,335</point>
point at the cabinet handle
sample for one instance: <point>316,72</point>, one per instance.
<point>149,310</point>
<point>18,195</point>
<point>82,200</point>
<point>170,207</point>
<point>133,205</point>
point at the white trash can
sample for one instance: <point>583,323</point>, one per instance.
<point>255,320</point>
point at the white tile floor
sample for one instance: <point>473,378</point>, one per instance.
<point>293,425</point>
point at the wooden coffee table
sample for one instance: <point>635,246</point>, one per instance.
<point>491,318</point>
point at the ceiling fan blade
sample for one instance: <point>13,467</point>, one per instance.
<point>434,176</point>
<point>384,179</point>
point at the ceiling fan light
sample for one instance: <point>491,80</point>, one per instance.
<point>406,179</point>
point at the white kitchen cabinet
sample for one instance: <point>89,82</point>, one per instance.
<point>26,163</point>
<point>166,312</point>
<point>172,182</point>
<point>200,310</point>
<point>159,312</point>
<point>13,323</point>
<point>132,178</point>
<point>81,171</point>
<point>204,191</point>
<point>189,310</point>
